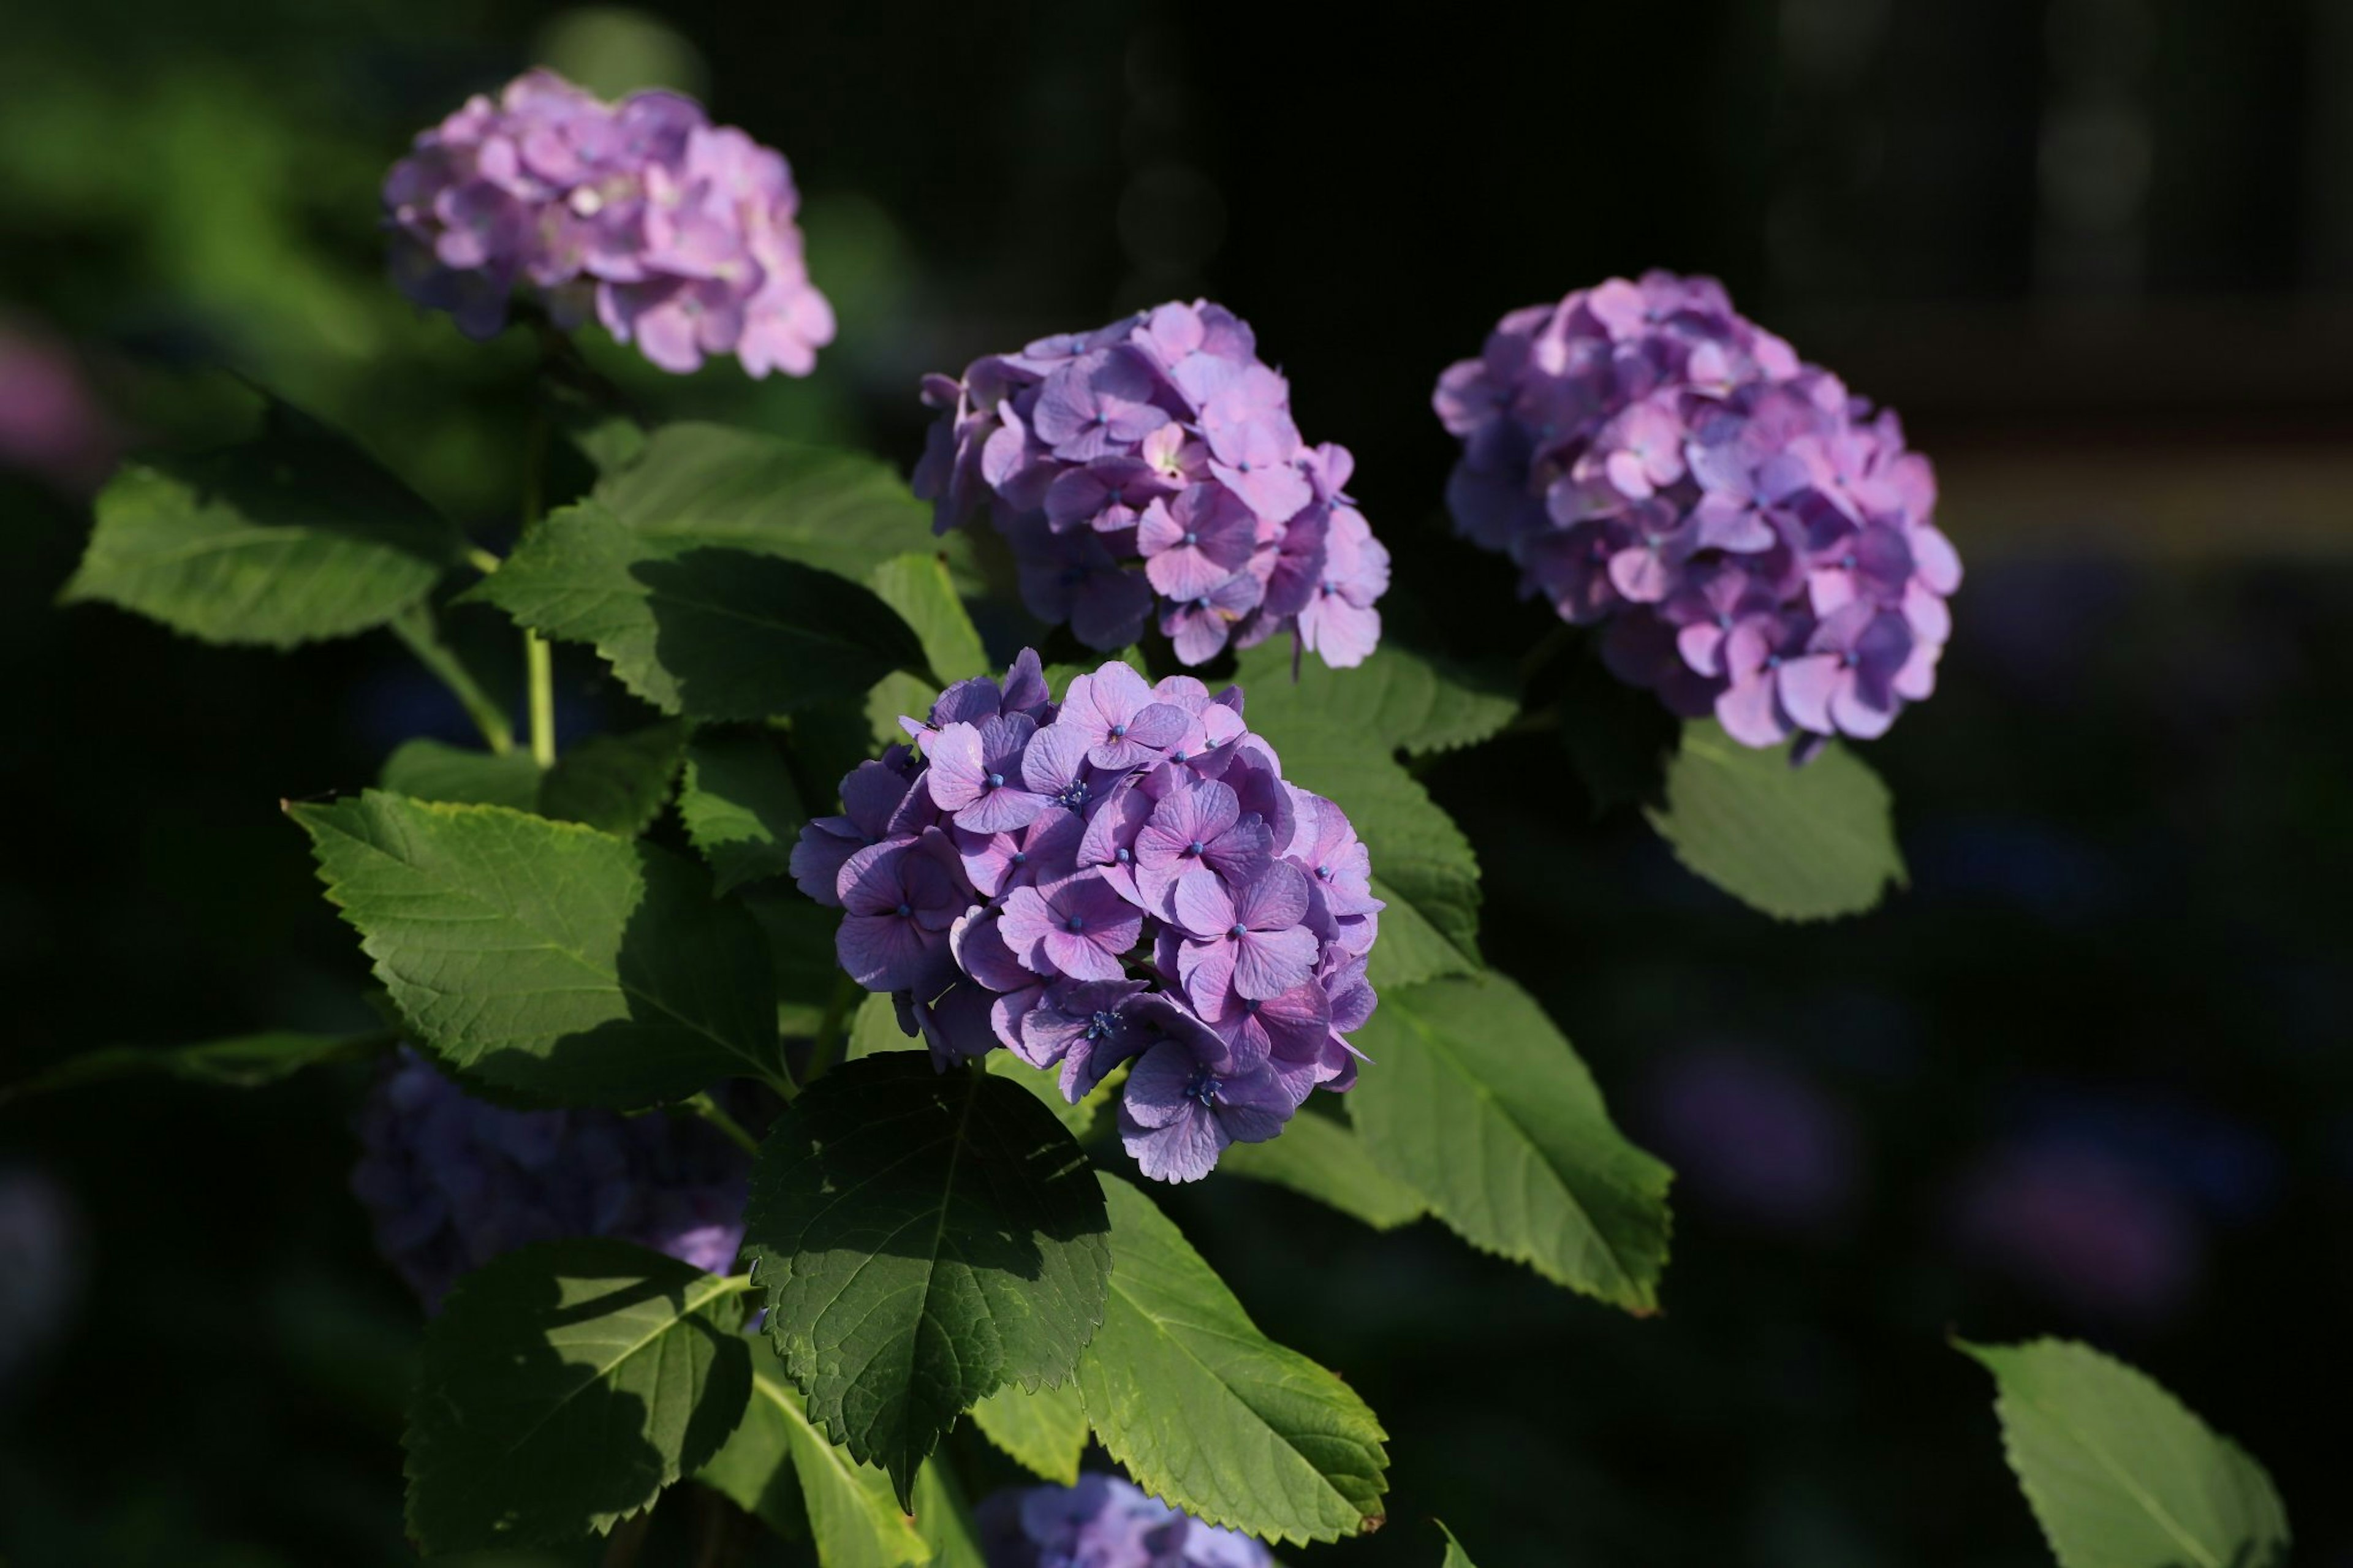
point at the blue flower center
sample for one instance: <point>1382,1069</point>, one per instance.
<point>1021,857</point>
<point>1177,756</point>
<point>996,780</point>
<point>1846,562</point>
<point>905,909</point>
<point>1195,847</point>
<point>1202,603</point>
<point>1119,732</point>
<point>1121,856</point>
<point>1074,923</point>
<point>1204,1087</point>
<point>1071,795</point>
<point>1238,930</point>
<point>1100,1026</point>
<point>1191,537</point>
<point>1324,872</point>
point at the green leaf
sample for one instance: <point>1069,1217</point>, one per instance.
<point>923,1238</point>
<point>799,933</point>
<point>1324,1158</point>
<point>615,784</point>
<point>874,1030</point>
<point>1799,844</point>
<point>1455,1556</point>
<point>1207,1413</point>
<point>694,627</point>
<point>1480,1105</point>
<point>780,1468</point>
<point>240,1061</point>
<point>841,512</point>
<point>291,537</point>
<point>546,957</point>
<point>919,588</point>
<point>740,810</point>
<point>1395,701</point>
<point>1045,1431</point>
<point>943,1518</point>
<point>562,1387</point>
<point>753,1468</point>
<point>1343,747</point>
<point>434,770</point>
<point>2119,1473</point>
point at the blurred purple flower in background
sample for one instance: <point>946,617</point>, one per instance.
<point>1759,544</point>
<point>676,233</point>
<point>1104,1522</point>
<point>2080,1227</point>
<point>2103,1200</point>
<point>451,1182</point>
<point>1150,470</point>
<point>1755,1138</point>
<point>51,425</point>
<point>41,1266</point>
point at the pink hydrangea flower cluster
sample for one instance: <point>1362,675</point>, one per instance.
<point>1755,542</point>
<point>677,233</point>
<point>1151,469</point>
<point>1124,876</point>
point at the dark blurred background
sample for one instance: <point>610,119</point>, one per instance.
<point>2086,1076</point>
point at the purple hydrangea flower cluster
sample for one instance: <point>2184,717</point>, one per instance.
<point>1756,541</point>
<point>451,1182</point>
<point>1104,1522</point>
<point>1124,875</point>
<point>676,233</point>
<point>1150,470</point>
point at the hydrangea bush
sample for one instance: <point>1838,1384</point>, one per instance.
<point>635,1124</point>
<point>1121,875</point>
<point>1754,541</point>
<point>675,234</point>
<point>1150,472</point>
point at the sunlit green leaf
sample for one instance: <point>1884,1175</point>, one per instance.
<point>1797,843</point>
<point>546,957</point>
<point>286,538</point>
<point>1480,1105</point>
<point>2119,1473</point>
<point>1207,1413</point>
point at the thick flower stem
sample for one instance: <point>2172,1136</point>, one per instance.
<point>539,666</point>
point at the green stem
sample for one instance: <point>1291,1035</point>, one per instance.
<point>414,627</point>
<point>539,665</point>
<point>829,1031</point>
<point>702,1105</point>
<point>482,559</point>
